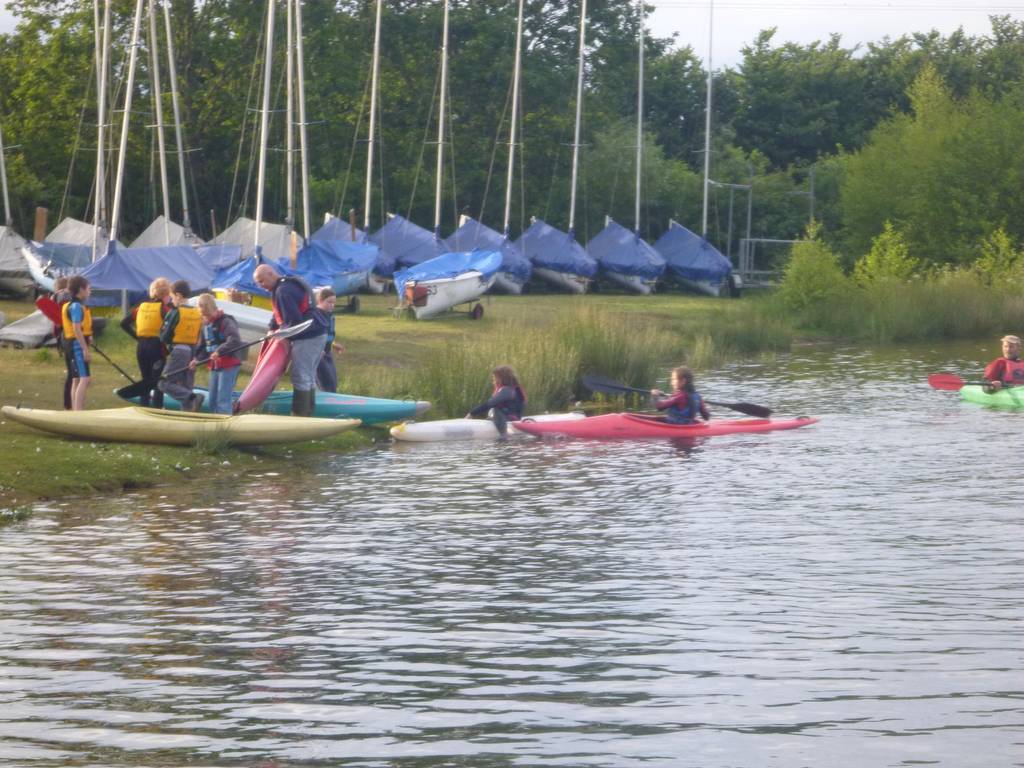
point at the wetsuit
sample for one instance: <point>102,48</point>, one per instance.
<point>144,323</point>
<point>506,404</point>
<point>76,312</point>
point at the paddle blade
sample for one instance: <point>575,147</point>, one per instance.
<point>750,409</point>
<point>596,383</point>
<point>946,381</point>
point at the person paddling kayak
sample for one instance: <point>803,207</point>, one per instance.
<point>507,401</point>
<point>1008,370</point>
<point>685,403</point>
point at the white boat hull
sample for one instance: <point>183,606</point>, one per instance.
<point>507,283</point>
<point>466,429</point>
<point>642,285</point>
<point>253,322</point>
<point>567,281</point>
<point>444,293</point>
<point>376,284</point>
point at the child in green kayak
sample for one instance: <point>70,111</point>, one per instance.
<point>506,402</point>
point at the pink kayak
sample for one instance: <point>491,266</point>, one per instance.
<point>634,425</point>
<point>270,367</point>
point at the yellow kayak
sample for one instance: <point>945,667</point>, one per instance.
<point>150,425</point>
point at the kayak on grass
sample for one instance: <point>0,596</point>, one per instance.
<point>634,425</point>
<point>150,425</point>
<point>1007,397</point>
<point>329,405</point>
<point>468,429</point>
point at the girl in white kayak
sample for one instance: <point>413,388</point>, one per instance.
<point>507,401</point>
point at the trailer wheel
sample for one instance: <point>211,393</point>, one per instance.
<point>478,312</point>
<point>353,305</point>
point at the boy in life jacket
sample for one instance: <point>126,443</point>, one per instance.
<point>144,323</point>
<point>76,326</point>
<point>685,404</point>
<point>1008,370</point>
<point>180,333</point>
<point>506,402</point>
<point>220,338</point>
<point>326,370</point>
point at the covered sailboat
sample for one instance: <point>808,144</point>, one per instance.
<point>436,285</point>
<point>15,275</point>
<point>515,268</point>
<point>335,229</point>
<point>557,258</point>
<point>626,258</point>
<point>405,243</point>
<point>694,262</point>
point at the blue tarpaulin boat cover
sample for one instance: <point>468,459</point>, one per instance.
<point>133,269</point>
<point>406,243</point>
<point>219,255</point>
<point>449,265</point>
<point>691,257</point>
<point>624,252</point>
<point>338,229</point>
<point>63,258</point>
<point>550,248</point>
<point>239,276</point>
<point>474,235</point>
<point>318,263</point>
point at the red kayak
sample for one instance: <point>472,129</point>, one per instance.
<point>275,355</point>
<point>634,425</point>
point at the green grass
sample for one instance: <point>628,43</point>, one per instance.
<point>552,340</point>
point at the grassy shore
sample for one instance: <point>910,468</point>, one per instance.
<point>551,339</point>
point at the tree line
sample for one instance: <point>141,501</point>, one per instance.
<point>917,131</point>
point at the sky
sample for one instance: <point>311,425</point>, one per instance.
<point>737,22</point>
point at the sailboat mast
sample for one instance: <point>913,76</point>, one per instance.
<point>289,120</point>
<point>579,115</point>
<point>639,110</point>
<point>374,78</point>
<point>102,66</point>
<point>516,67</point>
<point>303,145</point>
<point>3,183</point>
<point>264,119</point>
<point>440,125</point>
<point>154,64</point>
<point>707,121</point>
<point>122,155</point>
<point>172,68</point>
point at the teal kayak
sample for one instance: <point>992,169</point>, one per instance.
<point>329,405</point>
<point>1012,397</point>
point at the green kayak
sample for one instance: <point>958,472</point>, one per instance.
<point>1001,398</point>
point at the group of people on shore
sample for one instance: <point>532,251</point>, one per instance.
<point>173,338</point>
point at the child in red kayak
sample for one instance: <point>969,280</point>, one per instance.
<point>507,401</point>
<point>685,403</point>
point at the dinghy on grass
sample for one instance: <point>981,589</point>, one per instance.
<point>437,285</point>
<point>626,259</point>
<point>515,269</point>
<point>695,263</point>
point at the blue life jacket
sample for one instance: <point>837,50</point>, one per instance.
<point>687,415</point>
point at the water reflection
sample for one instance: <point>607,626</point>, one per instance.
<point>843,594</point>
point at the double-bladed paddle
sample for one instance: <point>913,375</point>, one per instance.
<point>137,388</point>
<point>602,384</point>
<point>950,382</point>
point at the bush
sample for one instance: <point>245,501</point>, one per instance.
<point>1000,261</point>
<point>889,259</point>
<point>813,280</point>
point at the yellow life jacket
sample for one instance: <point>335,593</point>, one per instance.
<point>148,319</point>
<point>190,321</point>
<point>69,327</point>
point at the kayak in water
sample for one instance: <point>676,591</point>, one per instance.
<point>469,429</point>
<point>1007,397</point>
<point>634,425</point>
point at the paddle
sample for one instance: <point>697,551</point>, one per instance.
<point>116,366</point>
<point>601,384</point>
<point>950,382</point>
<point>283,333</point>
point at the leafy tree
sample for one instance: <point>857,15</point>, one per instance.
<point>889,259</point>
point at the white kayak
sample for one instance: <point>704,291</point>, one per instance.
<point>467,429</point>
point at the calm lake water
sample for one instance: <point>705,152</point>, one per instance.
<point>848,594</point>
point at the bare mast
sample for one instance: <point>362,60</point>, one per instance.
<point>154,64</point>
<point>374,78</point>
<point>303,145</point>
<point>579,115</point>
<point>102,65</point>
<point>122,154</point>
<point>3,183</point>
<point>264,121</point>
<point>639,111</point>
<point>515,117</point>
<point>440,125</point>
<point>707,122</point>
<point>186,221</point>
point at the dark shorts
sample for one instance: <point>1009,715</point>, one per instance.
<point>77,365</point>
